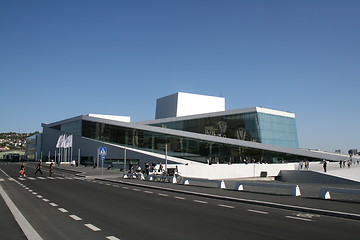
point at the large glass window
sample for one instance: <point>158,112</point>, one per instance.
<point>181,147</point>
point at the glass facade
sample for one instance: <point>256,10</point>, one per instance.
<point>278,130</point>
<point>186,148</point>
<point>253,126</point>
<point>71,127</point>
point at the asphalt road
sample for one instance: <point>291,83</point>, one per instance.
<point>69,207</point>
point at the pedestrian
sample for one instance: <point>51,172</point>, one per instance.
<point>160,167</point>
<point>131,169</point>
<point>324,165</point>
<point>153,166</point>
<point>307,164</point>
<point>340,163</point>
<point>38,169</point>
<point>51,168</point>
<point>147,168</point>
<point>22,170</point>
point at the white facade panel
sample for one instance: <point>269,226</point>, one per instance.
<point>185,104</point>
<point>191,104</point>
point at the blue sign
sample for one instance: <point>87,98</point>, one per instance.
<point>102,151</point>
<point>102,157</point>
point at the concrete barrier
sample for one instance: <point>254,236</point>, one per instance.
<point>189,181</point>
<point>325,191</point>
<point>294,189</point>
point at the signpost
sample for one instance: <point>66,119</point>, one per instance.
<point>102,152</point>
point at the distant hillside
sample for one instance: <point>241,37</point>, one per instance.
<point>13,140</point>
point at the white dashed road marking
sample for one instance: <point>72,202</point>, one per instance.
<point>92,227</point>
<point>148,192</point>
<point>112,238</point>
<point>256,211</point>
<point>225,206</point>
<point>297,218</point>
<point>164,195</point>
<point>181,198</point>
<point>75,217</point>
<point>63,210</point>
<point>198,201</point>
<point>53,204</point>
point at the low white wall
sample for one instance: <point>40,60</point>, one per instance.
<point>224,171</point>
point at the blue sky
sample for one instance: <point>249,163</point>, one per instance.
<point>61,59</point>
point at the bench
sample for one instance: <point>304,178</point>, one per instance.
<point>294,189</point>
<point>325,191</point>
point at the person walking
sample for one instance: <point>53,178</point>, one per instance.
<point>51,169</point>
<point>324,165</point>
<point>22,170</point>
<point>38,169</point>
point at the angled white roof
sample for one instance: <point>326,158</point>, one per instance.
<point>110,117</point>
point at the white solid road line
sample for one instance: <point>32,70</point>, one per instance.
<point>75,217</point>
<point>298,218</point>
<point>257,211</point>
<point>92,227</point>
<point>25,226</point>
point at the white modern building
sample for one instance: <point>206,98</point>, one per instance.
<point>203,141</point>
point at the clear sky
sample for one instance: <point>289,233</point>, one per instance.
<point>64,58</point>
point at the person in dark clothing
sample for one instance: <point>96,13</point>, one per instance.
<point>51,169</point>
<point>324,165</point>
<point>38,169</point>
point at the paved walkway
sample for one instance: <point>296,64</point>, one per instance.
<point>333,169</point>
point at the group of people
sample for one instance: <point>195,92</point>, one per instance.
<point>304,164</point>
<point>349,162</point>
<point>147,168</point>
<point>38,169</point>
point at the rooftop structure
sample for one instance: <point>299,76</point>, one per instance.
<point>185,104</point>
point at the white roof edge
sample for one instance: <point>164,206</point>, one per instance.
<point>110,117</point>
<point>275,112</point>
